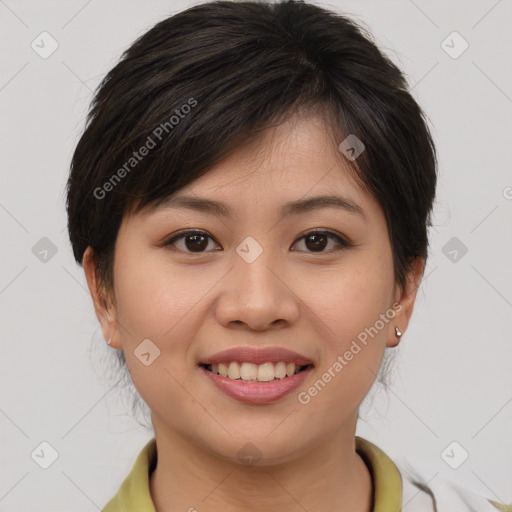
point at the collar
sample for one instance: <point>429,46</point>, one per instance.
<point>387,482</point>
<point>134,495</point>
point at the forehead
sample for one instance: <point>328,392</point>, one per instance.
<point>296,160</point>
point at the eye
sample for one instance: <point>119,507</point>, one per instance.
<point>315,241</point>
<point>195,241</point>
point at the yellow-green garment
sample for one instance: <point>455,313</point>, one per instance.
<point>388,484</point>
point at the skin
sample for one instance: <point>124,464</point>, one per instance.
<point>313,301</point>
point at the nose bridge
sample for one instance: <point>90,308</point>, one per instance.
<point>253,263</point>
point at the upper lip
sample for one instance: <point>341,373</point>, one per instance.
<point>258,355</point>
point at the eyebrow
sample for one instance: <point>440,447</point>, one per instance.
<point>297,207</point>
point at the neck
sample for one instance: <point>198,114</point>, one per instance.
<point>330,476</point>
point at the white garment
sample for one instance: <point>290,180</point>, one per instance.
<point>443,496</point>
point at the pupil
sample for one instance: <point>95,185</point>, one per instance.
<point>198,243</point>
<point>315,236</point>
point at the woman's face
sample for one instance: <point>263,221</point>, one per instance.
<point>253,279</point>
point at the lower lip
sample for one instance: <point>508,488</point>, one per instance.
<point>257,392</point>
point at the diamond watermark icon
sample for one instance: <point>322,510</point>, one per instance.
<point>351,147</point>
<point>454,249</point>
<point>44,250</point>
<point>454,45</point>
<point>44,45</point>
<point>249,454</point>
<point>44,455</point>
<point>454,455</point>
<point>249,250</point>
<point>146,352</point>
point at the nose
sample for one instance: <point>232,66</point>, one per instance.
<point>257,295</point>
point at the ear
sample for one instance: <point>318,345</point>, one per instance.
<point>406,298</point>
<point>103,304</point>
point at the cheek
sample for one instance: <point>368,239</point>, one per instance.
<point>352,356</point>
<point>355,306</point>
<point>153,303</point>
<point>353,296</point>
<point>151,296</point>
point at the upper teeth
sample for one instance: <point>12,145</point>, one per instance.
<point>250,371</point>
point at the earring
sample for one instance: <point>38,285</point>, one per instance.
<point>109,341</point>
<point>397,331</point>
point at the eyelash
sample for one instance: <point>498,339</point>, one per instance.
<point>343,243</point>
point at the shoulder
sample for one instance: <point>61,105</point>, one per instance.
<point>438,493</point>
<point>133,494</point>
<point>399,487</point>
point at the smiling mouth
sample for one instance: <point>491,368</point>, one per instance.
<point>250,372</point>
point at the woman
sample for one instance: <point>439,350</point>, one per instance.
<point>250,199</point>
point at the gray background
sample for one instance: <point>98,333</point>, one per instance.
<point>451,379</point>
